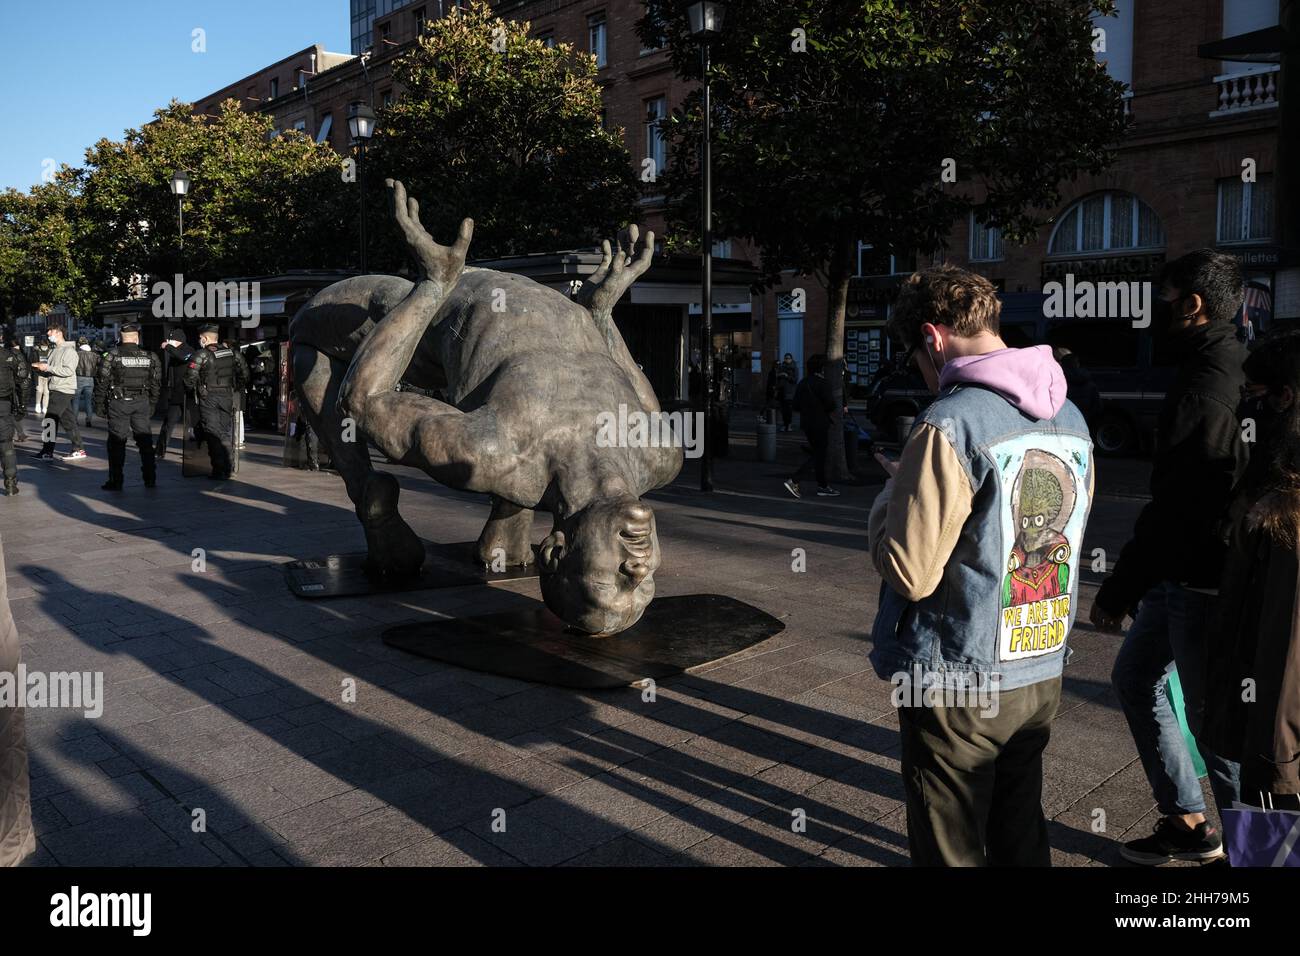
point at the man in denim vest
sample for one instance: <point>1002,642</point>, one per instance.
<point>977,535</point>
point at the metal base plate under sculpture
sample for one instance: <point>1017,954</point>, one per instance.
<point>445,566</point>
<point>674,635</point>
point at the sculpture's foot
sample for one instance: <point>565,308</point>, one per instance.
<point>506,541</point>
<point>394,550</point>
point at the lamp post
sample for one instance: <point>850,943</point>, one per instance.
<point>180,187</point>
<point>705,20</point>
<point>361,126</point>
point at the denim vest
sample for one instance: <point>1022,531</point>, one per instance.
<point>1006,601</point>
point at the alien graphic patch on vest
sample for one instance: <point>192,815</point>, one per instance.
<point>1045,503</point>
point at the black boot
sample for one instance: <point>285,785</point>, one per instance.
<point>9,468</point>
<point>112,485</point>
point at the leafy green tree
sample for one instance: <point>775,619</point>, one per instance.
<point>258,203</point>
<point>38,267</point>
<point>494,125</point>
<point>835,120</point>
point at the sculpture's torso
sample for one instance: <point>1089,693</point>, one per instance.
<point>532,357</point>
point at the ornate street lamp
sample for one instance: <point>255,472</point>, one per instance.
<point>705,20</point>
<point>180,185</point>
<point>361,126</point>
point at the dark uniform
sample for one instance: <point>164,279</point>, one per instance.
<point>13,401</point>
<point>214,374</point>
<point>177,358</point>
<point>126,390</point>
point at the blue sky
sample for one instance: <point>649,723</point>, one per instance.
<point>75,71</point>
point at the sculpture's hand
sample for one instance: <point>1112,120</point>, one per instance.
<point>617,271</point>
<point>442,264</point>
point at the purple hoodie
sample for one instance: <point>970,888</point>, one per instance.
<point>1030,379</point>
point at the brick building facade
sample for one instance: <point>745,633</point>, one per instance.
<point>1176,183</point>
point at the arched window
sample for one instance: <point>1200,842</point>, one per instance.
<point>1106,222</point>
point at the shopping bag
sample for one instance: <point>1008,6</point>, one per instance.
<point>1258,837</point>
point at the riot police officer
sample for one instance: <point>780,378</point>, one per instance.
<point>13,399</point>
<point>126,389</point>
<point>214,374</point>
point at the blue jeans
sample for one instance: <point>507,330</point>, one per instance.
<point>85,399</point>
<point>1170,630</point>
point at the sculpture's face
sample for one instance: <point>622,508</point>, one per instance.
<point>597,568</point>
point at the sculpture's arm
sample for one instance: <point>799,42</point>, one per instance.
<point>405,426</point>
<point>601,292</point>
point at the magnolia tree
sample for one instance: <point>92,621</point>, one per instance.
<point>838,122</point>
<point>259,202</point>
<point>494,125</point>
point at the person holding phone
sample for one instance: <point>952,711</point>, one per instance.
<point>977,536</point>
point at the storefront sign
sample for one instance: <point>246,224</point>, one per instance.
<point>1102,269</point>
<point>1264,257</point>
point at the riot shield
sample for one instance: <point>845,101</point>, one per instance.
<point>195,461</point>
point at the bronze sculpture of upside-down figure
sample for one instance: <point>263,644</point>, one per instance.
<point>526,372</point>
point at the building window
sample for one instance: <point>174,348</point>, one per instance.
<point>385,33</point>
<point>656,147</point>
<point>1245,210</point>
<point>300,125</point>
<point>548,39</point>
<point>275,87</point>
<point>985,241</point>
<point>326,124</point>
<point>596,34</point>
<point>722,248</point>
<point>1106,222</point>
<point>420,17</point>
<point>386,98</point>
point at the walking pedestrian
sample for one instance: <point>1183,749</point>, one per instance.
<point>815,403</point>
<point>1167,575</point>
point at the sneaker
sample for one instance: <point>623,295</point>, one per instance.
<point>827,492</point>
<point>1172,842</point>
<point>792,486</point>
<point>44,456</point>
<point>77,455</point>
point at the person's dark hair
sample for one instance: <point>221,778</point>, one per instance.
<point>962,300</point>
<point>56,325</point>
<point>1214,276</point>
<point>816,363</point>
<point>1275,364</point>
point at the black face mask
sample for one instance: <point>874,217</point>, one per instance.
<point>1163,315</point>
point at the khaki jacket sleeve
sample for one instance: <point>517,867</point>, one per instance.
<point>916,520</point>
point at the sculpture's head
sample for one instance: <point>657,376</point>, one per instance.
<point>597,567</point>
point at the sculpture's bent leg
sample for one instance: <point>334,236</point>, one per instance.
<point>507,536</point>
<point>393,549</point>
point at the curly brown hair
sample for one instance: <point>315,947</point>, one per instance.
<point>962,300</point>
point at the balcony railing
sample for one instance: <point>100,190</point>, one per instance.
<point>1242,92</point>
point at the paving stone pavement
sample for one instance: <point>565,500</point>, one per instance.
<point>224,695</point>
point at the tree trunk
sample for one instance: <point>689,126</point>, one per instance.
<point>837,298</point>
